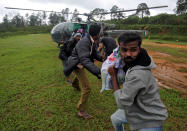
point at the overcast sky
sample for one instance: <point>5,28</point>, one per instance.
<point>83,6</point>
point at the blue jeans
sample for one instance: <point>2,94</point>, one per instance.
<point>119,118</point>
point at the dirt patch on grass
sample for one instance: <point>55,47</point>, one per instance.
<point>167,72</point>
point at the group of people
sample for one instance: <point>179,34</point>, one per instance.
<point>138,100</point>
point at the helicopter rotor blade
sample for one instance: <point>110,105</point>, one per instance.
<point>132,10</point>
<point>35,10</point>
<point>89,14</point>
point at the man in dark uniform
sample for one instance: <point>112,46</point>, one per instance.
<point>66,50</point>
<point>82,57</point>
<point>107,44</point>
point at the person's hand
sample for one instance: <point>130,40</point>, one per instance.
<point>80,66</point>
<point>104,57</point>
<point>61,42</point>
<point>112,71</point>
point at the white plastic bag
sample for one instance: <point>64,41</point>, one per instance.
<point>113,59</point>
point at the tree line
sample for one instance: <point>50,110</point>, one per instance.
<point>161,19</point>
<point>141,16</point>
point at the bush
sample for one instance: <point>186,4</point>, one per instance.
<point>156,29</point>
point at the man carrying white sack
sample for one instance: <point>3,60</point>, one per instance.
<point>113,59</point>
<point>138,101</point>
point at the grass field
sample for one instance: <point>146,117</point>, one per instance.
<point>170,50</point>
<point>34,94</point>
<point>166,41</point>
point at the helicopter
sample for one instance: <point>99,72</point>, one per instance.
<point>63,31</point>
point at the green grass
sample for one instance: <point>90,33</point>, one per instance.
<point>175,52</point>
<point>35,96</point>
<point>179,54</point>
<point>166,41</point>
<point>171,51</point>
<point>177,110</point>
<point>174,38</point>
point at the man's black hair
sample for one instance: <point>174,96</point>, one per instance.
<point>94,29</point>
<point>129,37</point>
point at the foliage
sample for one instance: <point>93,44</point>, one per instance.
<point>5,20</point>
<point>132,20</point>
<point>75,16</point>
<point>181,7</point>
<point>142,9</point>
<point>18,21</point>
<point>35,96</point>
<point>165,26</point>
<point>34,20</point>
<point>65,13</point>
<point>98,11</point>
<point>161,19</point>
<point>55,18</point>
<point>156,29</point>
<point>115,14</point>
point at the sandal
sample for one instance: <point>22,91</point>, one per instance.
<point>84,115</point>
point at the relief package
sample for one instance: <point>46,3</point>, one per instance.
<point>113,59</point>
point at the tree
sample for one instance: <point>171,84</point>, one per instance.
<point>66,12</point>
<point>55,18</point>
<point>115,14</point>
<point>143,9</point>
<point>132,20</point>
<point>75,17</point>
<point>120,14</point>
<point>26,19</point>
<point>44,16</point>
<point>5,20</point>
<point>18,21</point>
<point>181,7</point>
<point>98,12</point>
<point>61,18</point>
<point>33,20</point>
<point>113,11</point>
<point>39,20</point>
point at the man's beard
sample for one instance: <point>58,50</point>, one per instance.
<point>128,59</point>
